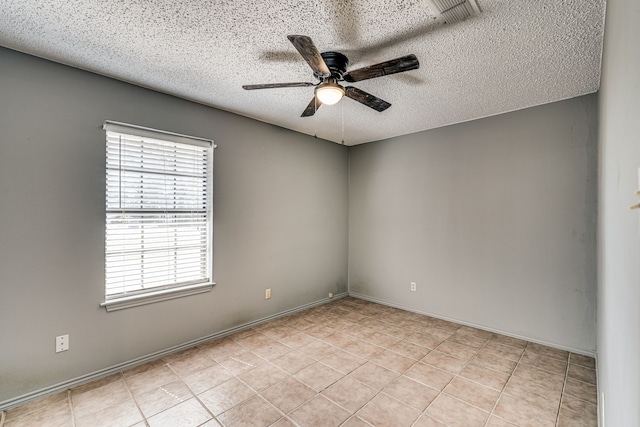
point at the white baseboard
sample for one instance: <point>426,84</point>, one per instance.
<point>473,325</point>
<point>65,385</point>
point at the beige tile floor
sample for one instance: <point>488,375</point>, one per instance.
<point>347,363</point>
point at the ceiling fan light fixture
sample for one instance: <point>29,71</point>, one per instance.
<point>329,93</point>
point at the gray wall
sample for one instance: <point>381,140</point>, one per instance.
<point>619,228</point>
<point>494,219</point>
<point>280,207</point>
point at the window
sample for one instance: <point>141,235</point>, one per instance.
<point>158,237</point>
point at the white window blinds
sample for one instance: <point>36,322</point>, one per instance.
<point>158,211</point>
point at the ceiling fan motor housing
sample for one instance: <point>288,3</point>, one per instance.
<point>336,62</point>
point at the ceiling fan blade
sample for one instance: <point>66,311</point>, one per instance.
<point>366,98</point>
<point>277,85</point>
<point>310,53</point>
<point>398,65</point>
<point>312,107</point>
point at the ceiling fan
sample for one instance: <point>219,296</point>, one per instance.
<point>330,68</point>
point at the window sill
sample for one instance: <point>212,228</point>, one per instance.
<point>157,296</point>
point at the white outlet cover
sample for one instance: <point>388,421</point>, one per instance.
<point>62,343</point>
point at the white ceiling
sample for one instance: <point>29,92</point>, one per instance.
<point>514,54</point>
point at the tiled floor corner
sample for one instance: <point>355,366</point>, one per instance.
<point>348,363</point>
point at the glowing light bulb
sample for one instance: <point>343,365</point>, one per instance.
<point>329,93</point>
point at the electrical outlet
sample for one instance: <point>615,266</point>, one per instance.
<point>267,294</point>
<point>330,294</point>
<point>413,286</point>
<point>62,343</point>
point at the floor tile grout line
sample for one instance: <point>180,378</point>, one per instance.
<point>579,398</point>
<point>70,395</point>
<point>564,386</point>
<point>536,367</point>
<point>582,366</point>
<point>355,416</point>
<point>542,369</point>
<point>71,410</point>
<point>193,393</point>
<point>292,421</point>
<point>507,383</point>
<point>215,417</point>
<point>460,376</point>
<point>451,380</point>
<point>284,414</point>
<point>359,408</point>
<point>135,401</point>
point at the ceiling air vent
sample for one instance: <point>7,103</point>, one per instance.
<point>455,10</point>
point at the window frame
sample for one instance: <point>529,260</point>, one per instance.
<point>167,291</point>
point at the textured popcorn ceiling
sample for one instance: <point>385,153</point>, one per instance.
<point>515,54</point>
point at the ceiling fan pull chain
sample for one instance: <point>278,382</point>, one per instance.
<point>342,110</point>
